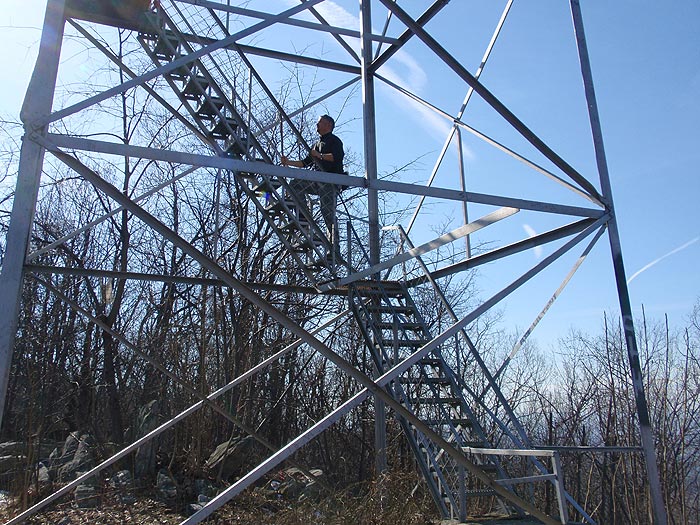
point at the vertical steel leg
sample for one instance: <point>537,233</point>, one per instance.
<point>37,104</point>
<point>462,494</point>
<point>646,434</point>
<point>561,491</point>
<point>368,110</point>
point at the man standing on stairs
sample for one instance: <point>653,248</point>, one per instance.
<point>326,155</point>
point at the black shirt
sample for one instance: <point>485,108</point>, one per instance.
<point>328,143</point>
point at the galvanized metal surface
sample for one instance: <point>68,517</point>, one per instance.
<point>37,105</point>
<point>647,436</point>
<point>400,342</point>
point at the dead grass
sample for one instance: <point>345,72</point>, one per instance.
<point>374,503</point>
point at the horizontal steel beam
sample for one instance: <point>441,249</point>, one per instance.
<point>592,450</point>
<point>527,479</point>
<point>209,161</point>
<point>300,59</point>
<point>289,21</point>
<point>539,452</point>
<point>280,55</point>
<point>177,279</point>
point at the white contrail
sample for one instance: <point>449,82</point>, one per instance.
<point>652,263</point>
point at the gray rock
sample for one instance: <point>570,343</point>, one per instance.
<point>148,419</point>
<point>5,498</point>
<point>12,448</point>
<point>86,497</point>
<point>127,499</point>
<point>70,445</point>
<point>44,449</point>
<point>43,476</point>
<point>291,489</point>
<point>123,483</point>
<point>166,488</point>
<point>83,457</point>
<point>228,458</point>
<point>193,508</point>
<point>60,456</point>
<point>122,480</point>
<point>14,455</point>
<point>294,485</point>
<point>92,481</point>
<point>204,487</point>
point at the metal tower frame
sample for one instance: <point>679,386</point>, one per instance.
<point>188,44</point>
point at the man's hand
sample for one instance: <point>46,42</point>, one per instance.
<point>322,156</point>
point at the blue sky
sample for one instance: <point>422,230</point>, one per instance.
<point>646,65</point>
<point>647,59</point>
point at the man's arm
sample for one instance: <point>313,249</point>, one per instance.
<point>328,157</point>
<point>288,162</point>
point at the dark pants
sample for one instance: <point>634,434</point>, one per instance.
<point>328,194</point>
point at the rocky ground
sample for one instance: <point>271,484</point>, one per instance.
<point>286,497</point>
<point>254,507</point>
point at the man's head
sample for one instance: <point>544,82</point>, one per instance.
<point>325,124</point>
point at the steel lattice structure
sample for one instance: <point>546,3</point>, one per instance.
<point>204,68</point>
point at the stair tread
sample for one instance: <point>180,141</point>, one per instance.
<point>479,492</point>
<point>162,50</point>
<point>384,308</point>
<point>373,288</point>
<point>417,343</point>
<point>437,400</point>
<point>417,327</point>
<point>425,380</point>
<point>210,108</point>
<point>180,73</point>
<point>223,128</point>
<point>195,87</point>
<point>267,185</point>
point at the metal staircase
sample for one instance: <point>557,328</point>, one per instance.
<point>220,109</point>
<point>213,104</point>
<point>393,328</point>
